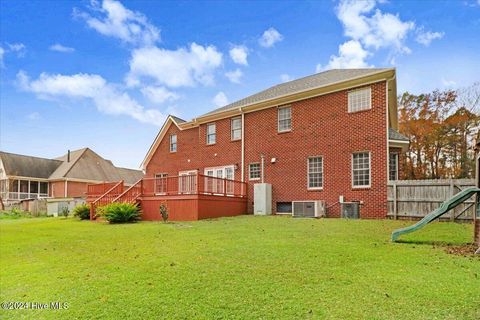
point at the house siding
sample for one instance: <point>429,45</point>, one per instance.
<point>321,126</point>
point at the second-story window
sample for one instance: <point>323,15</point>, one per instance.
<point>360,99</point>
<point>284,119</point>
<point>173,143</point>
<point>236,128</point>
<point>211,133</point>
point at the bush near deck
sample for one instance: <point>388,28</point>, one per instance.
<point>237,268</point>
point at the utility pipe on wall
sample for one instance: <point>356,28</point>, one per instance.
<point>263,166</point>
<point>243,146</point>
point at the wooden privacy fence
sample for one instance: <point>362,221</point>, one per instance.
<point>413,199</point>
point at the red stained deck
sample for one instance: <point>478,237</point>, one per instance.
<point>189,197</point>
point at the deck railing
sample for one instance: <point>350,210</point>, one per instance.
<point>99,189</point>
<point>131,194</point>
<point>193,185</point>
<point>106,198</point>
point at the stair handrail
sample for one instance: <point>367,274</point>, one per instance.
<point>93,204</point>
<point>128,190</point>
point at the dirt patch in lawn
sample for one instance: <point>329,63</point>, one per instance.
<point>464,250</point>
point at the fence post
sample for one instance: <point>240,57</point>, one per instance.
<point>395,201</point>
<point>452,192</point>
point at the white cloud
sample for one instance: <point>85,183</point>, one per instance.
<point>220,99</point>
<point>426,37</point>
<point>285,77</point>
<point>18,48</point>
<point>369,30</point>
<point>174,68</point>
<point>2,53</point>
<point>239,54</point>
<point>34,116</point>
<point>159,94</point>
<point>114,20</point>
<point>351,55</point>
<point>270,37</point>
<point>234,76</point>
<point>60,48</point>
<point>448,83</point>
<point>380,30</point>
<point>106,97</point>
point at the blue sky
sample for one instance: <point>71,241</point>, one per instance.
<point>104,74</point>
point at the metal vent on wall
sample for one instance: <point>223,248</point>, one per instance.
<point>351,210</point>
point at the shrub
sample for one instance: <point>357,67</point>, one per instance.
<point>120,212</point>
<point>14,213</point>
<point>65,212</point>
<point>164,212</point>
<point>82,211</point>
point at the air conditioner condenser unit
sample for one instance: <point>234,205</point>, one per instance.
<point>309,209</point>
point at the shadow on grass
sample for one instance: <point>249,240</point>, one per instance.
<point>434,243</point>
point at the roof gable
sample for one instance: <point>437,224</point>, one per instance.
<point>27,166</point>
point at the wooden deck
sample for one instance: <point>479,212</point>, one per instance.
<point>189,197</point>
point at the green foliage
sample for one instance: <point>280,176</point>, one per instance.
<point>65,211</point>
<point>164,212</point>
<point>14,213</point>
<point>120,212</point>
<point>82,211</point>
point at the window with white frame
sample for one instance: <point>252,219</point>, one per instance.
<point>361,169</point>
<point>211,133</point>
<point>236,125</point>
<point>173,143</point>
<point>161,183</point>
<point>315,172</point>
<point>360,99</point>
<point>284,119</point>
<point>393,167</point>
<point>254,171</point>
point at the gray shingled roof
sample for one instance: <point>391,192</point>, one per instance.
<point>84,164</point>
<point>26,166</point>
<point>177,119</point>
<point>317,80</point>
<point>395,135</point>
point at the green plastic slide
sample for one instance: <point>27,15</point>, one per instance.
<point>444,208</point>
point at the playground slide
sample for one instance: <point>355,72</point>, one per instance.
<point>444,208</point>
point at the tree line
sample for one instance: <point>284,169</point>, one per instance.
<point>442,127</point>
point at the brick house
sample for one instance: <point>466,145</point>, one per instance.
<point>320,137</point>
<point>25,177</point>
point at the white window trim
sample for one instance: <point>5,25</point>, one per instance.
<point>171,144</point>
<point>278,119</point>
<point>163,175</point>
<point>232,129</point>
<point>215,126</point>
<point>369,171</point>
<point>254,179</point>
<point>397,157</point>
<point>369,102</point>
<point>308,174</point>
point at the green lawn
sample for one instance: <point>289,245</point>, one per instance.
<point>237,268</point>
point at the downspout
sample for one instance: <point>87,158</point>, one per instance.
<point>243,146</point>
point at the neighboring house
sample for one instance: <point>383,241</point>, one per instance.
<point>329,136</point>
<point>25,177</point>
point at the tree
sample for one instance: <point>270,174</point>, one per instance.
<point>441,126</point>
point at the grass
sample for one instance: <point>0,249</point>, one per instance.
<point>237,268</point>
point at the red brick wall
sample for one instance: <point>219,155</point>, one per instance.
<point>320,126</point>
<point>74,189</point>
<point>191,145</point>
